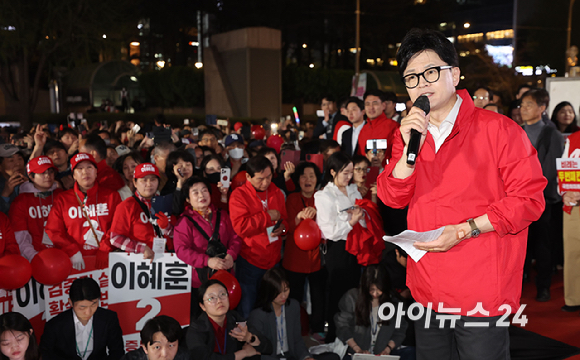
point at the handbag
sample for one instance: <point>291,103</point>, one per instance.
<point>215,248</point>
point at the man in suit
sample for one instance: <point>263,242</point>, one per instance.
<point>325,126</point>
<point>356,113</point>
<point>85,332</point>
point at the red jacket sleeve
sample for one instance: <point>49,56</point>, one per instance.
<point>56,229</point>
<point>10,244</point>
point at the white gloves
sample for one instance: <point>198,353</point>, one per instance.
<point>77,261</point>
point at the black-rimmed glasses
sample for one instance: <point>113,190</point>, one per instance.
<point>430,75</point>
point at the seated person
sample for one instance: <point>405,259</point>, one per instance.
<point>17,340</point>
<point>159,341</point>
<point>221,334</point>
<point>136,223</point>
<point>85,331</point>
<point>278,318</point>
<point>29,211</point>
<point>358,323</point>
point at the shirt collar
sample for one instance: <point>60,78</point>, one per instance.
<point>450,119</point>
<point>80,325</point>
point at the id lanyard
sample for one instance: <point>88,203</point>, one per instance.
<point>264,202</point>
<point>223,352</point>
<point>86,347</point>
<point>280,330</point>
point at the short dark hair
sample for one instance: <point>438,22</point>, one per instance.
<point>192,181</point>
<point>335,162</point>
<point>499,109</point>
<point>390,96</point>
<point>271,286</point>
<point>357,101</point>
<point>257,164</point>
<point>67,130</point>
<point>94,142</point>
<point>419,40</point>
<point>375,92</point>
<point>301,168</point>
<point>51,144</point>
<point>489,92</point>
<point>359,158</point>
<point>15,321</point>
<point>524,86</point>
<point>84,288</point>
<point>328,144</point>
<point>167,325</point>
<point>172,160</point>
<point>159,119</point>
<point>118,164</point>
<point>203,288</point>
<point>540,96</point>
<point>268,150</point>
<point>328,97</point>
<point>205,132</point>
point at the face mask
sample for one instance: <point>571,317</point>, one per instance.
<point>213,178</point>
<point>108,141</point>
<point>244,160</point>
<point>236,153</point>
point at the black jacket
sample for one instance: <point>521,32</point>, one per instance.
<point>59,341</point>
<point>201,340</point>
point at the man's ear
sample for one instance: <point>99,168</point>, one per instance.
<point>144,348</point>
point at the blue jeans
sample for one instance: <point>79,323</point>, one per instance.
<point>249,277</point>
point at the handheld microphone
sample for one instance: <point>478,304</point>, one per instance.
<point>422,103</point>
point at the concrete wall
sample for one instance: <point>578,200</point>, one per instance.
<point>243,74</point>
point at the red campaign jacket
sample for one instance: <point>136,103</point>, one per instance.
<point>250,221</point>
<point>131,222</point>
<point>367,244</point>
<point>296,259</point>
<point>380,128</point>
<point>67,225</point>
<point>108,178</point>
<point>29,212</point>
<point>8,244</point>
<point>487,165</point>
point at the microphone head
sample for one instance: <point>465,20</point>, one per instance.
<point>422,103</point>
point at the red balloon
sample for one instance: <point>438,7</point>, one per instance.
<point>51,266</point>
<point>275,142</point>
<point>307,235</point>
<point>258,132</point>
<point>15,270</point>
<point>232,285</point>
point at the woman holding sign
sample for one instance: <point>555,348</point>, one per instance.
<point>137,228</point>
<point>204,236</point>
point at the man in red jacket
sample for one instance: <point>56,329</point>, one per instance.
<point>106,176</point>
<point>80,219</point>
<point>378,125</point>
<point>136,225</point>
<point>258,213</point>
<point>478,176</point>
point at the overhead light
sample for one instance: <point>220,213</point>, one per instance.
<point>466,25</point>
<point>133,78</point>
<point>104,36</point>
<point>135,43</point>
<point>311,66</point>
<point>304,46</point>
<point>199,64</point>
<point>161,64</point>
<point>193,43</point>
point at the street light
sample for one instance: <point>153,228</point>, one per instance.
<point>569,29</point>
<point>466,25</point>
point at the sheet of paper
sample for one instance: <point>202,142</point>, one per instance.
<point>407,238</point>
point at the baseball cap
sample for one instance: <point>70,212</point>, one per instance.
<point>238,126</point>
<point>145,169</point>
<point>122,150</point>
<point>39,164</point>
<point>8,150</point>
<point>80,157</point>
<point>232,138</point>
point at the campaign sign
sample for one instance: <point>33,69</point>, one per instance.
<point>568,174</point>
<point>140,290</point>
<point>56,297</point>
<point>29,301</point>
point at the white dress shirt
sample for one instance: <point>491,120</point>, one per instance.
<point>84,333</point>
<point>442,132</point>
<point>355,133</point>
<point>330,219</point>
